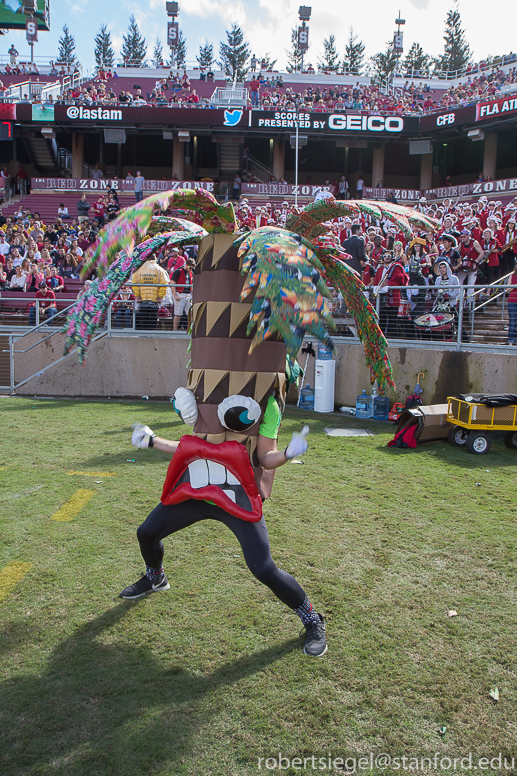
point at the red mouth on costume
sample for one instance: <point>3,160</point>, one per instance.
<point>219,473</point>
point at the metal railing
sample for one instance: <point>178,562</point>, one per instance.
<point>428,316</point>
<point>256,168</point>
<point>29,89</point>
<point>28,357</point>
<point>423,321</point>
<point>480,68</point>
<point>229,97</point>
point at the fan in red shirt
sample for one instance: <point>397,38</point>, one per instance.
<point>55,282</point>
<point>377,251</point>
<point>475,230</point>
<point>471,253</point>
<point>254,90</point>
<point>97,211</point>
<point>390,273</point>
<point>492,248</point>
<point>176,261</point>
<point>48,307</point>
<point>497,232</point>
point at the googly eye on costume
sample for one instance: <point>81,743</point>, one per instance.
<point>238,413</point>
<point>185,404</point>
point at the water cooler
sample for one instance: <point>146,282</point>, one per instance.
<point>324,380</point>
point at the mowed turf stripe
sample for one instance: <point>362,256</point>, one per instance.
<point>94,474</point>
<point>10,575</point>
<point>73,506</point>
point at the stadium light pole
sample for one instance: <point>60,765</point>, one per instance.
<point>304,13</point>
<point>172,28</point>
<point>296,156</point>
<point>298,141</point>
<point>31,25</point>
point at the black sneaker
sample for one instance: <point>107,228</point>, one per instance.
<point>315,644</point>
<point>144,586</point>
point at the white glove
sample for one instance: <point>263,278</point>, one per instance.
<point>142,435</point>
<point>298,444</point>
<point>185,404</point>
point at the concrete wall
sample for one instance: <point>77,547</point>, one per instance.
<point>123,366</point>
<point>116,367</point>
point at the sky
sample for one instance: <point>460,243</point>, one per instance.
<point>267,25</point>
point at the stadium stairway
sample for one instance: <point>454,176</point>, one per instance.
<point>489,327</point>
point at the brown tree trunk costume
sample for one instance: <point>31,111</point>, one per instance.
<point>220,363</point>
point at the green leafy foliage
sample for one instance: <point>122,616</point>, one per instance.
<point>234,54</point>
<point>67,47</point>
<point>294,54</point>
<point>134,50</point>
<point>205,57</point>
<point>456,54</point>
<point>180,52</point>
<point>330,60</point>
<point>354,55</point>
<point>158,53</point>
<point>416,59</point>
<point>385,62</point>
<point>104,53</point>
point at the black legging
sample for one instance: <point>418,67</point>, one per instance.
<point>166,520</point>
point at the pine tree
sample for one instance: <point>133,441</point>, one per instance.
<point>134,49</point>
<point>104,54</point>
<point>354,55</point>
<point>330,56</point>
<point>416,59</point>
<point>158,53</point>
<point>385,62</point>
<point>456,52</point>
<point>294,56</point>
<point>266,62</point>
<point>181,52</point>
<point>67,48</point>
<point>234,54</point>
<point>205,57</point>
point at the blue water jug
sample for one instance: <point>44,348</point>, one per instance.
<point>381,408</point>
<point>324,353</point>
<point>363,406</point>
<point>307,398</point>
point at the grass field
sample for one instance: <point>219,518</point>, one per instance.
<point>210,677</point>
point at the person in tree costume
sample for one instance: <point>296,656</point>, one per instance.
<point>254,298</point>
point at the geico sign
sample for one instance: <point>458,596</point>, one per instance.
<point>366,123</point>
<point>447,118</point>
<point>93,113</point>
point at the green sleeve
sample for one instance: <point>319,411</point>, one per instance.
<point>271,420</point>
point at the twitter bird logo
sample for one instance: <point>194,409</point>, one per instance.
<point>232,117</point>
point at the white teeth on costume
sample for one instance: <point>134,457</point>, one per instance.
<point>203,473</point>
<point>216,473</point>
<point>198,471</point>
<point>231,479</point>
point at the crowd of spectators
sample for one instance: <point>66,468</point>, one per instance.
<point>268,92</point>
<point>412,99</point>
<point>99,93</point>
<point>475,244</point>
<point>41,258</point>
<point>33,253</point>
